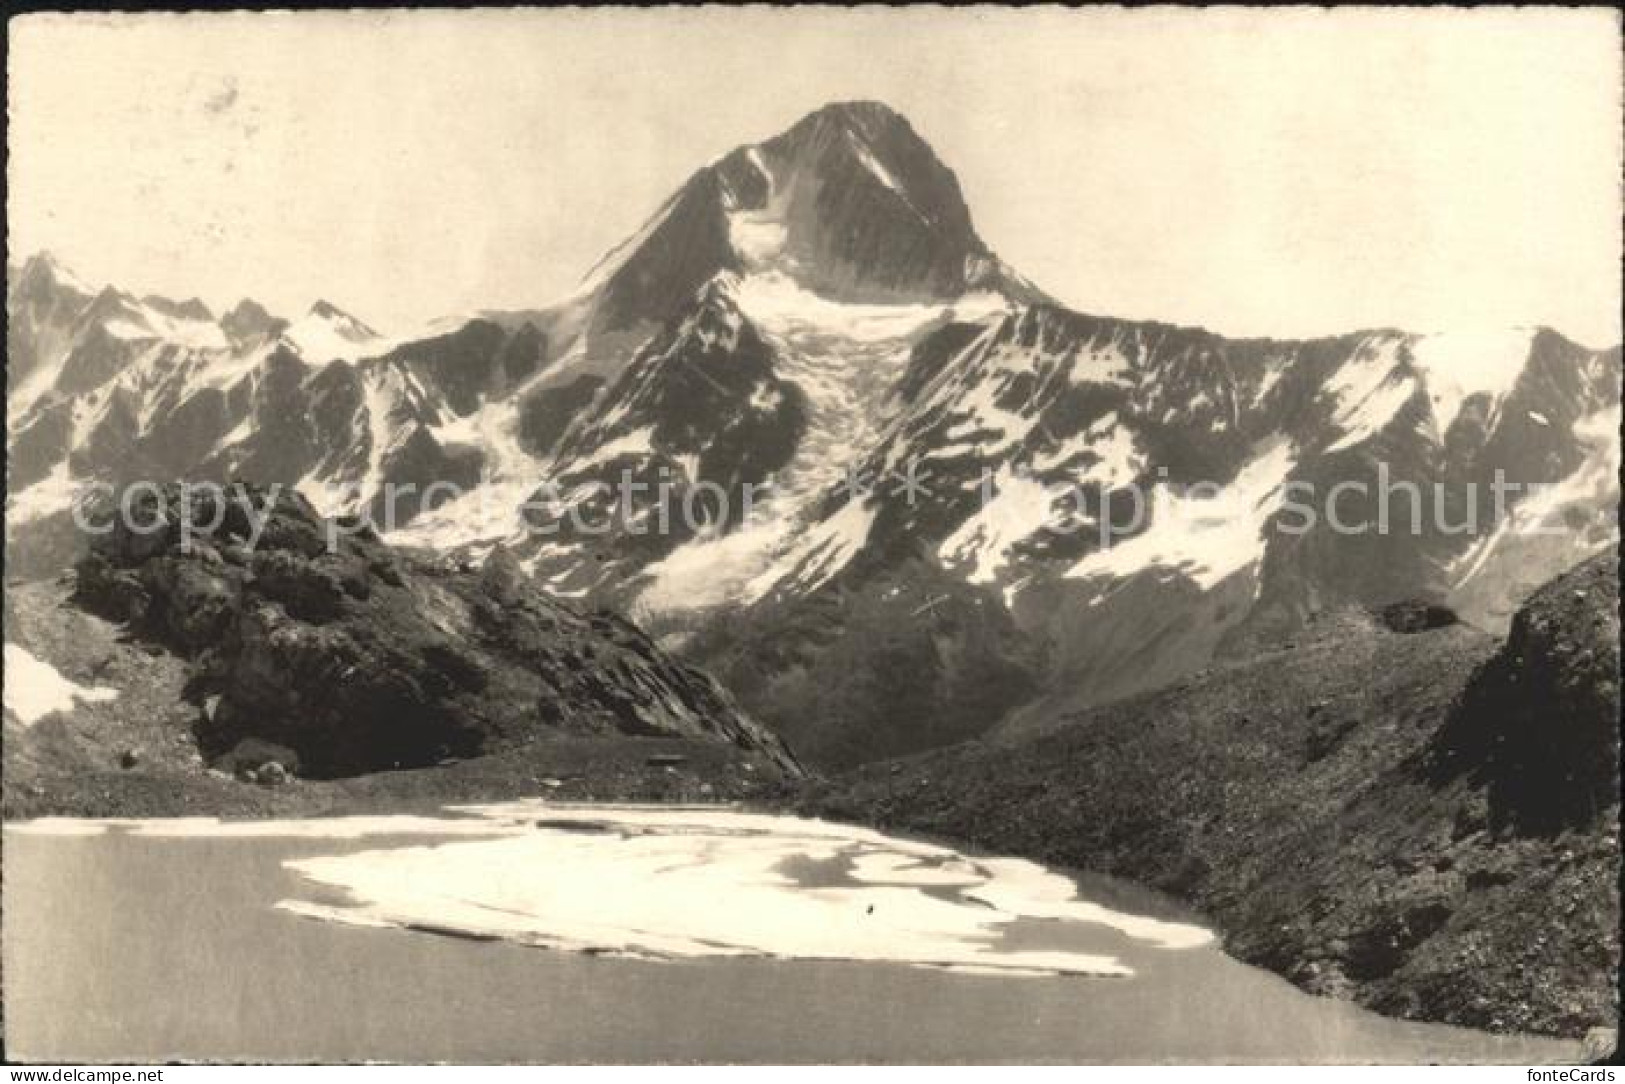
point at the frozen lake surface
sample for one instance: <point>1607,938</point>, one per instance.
<point>542,931</point>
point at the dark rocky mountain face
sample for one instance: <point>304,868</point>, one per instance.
<point>697,415</point>
<point>815,316</point>
<point>42,303</point>
<point>685,246</point>
<point>850,202</point>
<point>248,323</point>
<point>1538,725</point>
<point>915,660</point>
<point>359,657</point>
<point>869,212</point>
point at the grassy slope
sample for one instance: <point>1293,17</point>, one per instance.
<point>1286,797</point>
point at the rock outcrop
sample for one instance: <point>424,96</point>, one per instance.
<point>1539,723</point>
<point>316,637</point>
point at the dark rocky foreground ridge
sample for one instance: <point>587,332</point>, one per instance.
<point>342,662</point>
<point>1420,818</point>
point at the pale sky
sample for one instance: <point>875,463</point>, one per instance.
<point>1255,172</point>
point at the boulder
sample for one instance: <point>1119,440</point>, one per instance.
<point>1415,615</point>
<point>1599,1045</point>
<point>271,774</point>
<point>249,756</point>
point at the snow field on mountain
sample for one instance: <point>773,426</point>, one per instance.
<point>1368,390</point>
<point>779,305</point>
<point>1458,364</point>
<point>1021,507</point>
<point>1593,485</point>
<point>1206,536</point>
<point>52,494</point>
<point>820,552</point>
<point>321,338</point>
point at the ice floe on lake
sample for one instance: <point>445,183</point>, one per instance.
<point>686,882</point>
<point>676,881</point>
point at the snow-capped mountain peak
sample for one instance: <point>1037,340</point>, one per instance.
<point>328,333</point>
<point>850,203</point>
<point>342,322</point>
<point>814,315</point>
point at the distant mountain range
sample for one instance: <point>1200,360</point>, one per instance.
<point>816,315</point>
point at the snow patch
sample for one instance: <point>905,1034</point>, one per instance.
<point>1207,538</point>
<point>636,443</point>
<point>330,335</point>
<point>713,570</point>
<point>824,550</point>
<point>1117,458</point>
<point>1592,488</point>
<point>139,320</point>
<point>1020,508</point>
<point>488,513</point>
<point>54,493</point>
<point>34,688</point>
<point>1458,364</point>
<point>1368,390</point>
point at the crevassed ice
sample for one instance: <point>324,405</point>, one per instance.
<point>844,357</point>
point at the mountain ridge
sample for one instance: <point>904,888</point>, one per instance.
<point>837,265</point>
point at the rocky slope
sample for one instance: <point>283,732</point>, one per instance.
<point>271,635</point>
<point>917,659</point>
<point>1425,820</point>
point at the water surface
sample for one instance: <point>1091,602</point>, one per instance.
<point>544,932</point>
